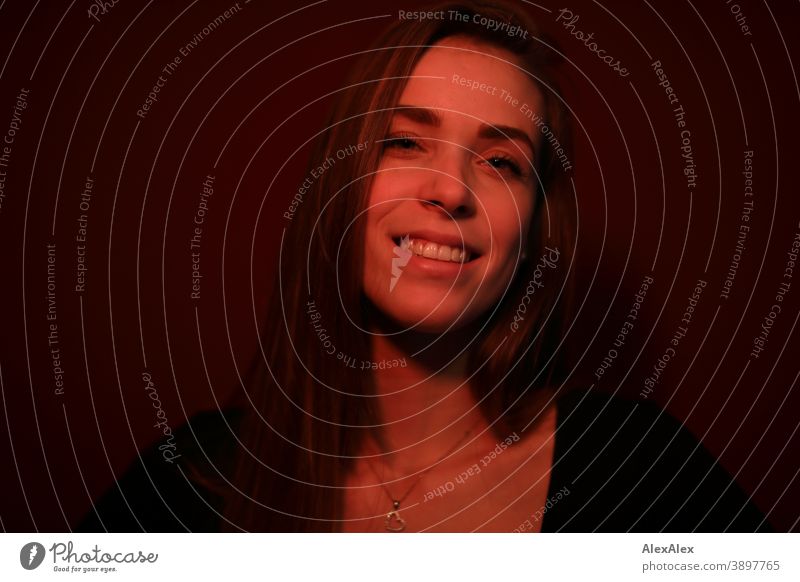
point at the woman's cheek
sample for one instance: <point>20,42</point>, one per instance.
<point>509,224</point>
<point>389,185</point>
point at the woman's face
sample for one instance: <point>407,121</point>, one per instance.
<point>450,207</point>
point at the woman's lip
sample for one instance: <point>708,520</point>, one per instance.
<point>426,267</point>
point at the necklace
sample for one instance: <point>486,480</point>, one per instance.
<point>393,521</point>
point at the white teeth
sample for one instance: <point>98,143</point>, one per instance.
<point>432,250</point>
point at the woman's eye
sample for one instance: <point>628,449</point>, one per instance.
<point>503,163</point>
<point>401,143</point>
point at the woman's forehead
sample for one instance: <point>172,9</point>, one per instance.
<point>478,80</point>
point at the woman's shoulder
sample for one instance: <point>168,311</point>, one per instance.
<point>631,466</point>
<point>172,492</point>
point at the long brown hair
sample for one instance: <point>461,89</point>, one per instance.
<point>308,413</point>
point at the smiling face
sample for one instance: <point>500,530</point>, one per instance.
<point>450,207</point>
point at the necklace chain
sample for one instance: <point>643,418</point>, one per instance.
<point>393,521</point>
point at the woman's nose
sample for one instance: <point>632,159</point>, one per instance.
<point>447,186</point>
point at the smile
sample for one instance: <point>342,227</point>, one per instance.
<point>437,251</point>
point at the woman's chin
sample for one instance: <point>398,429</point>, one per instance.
<point>426,316</point>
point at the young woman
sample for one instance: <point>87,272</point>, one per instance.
<point>412,371</point>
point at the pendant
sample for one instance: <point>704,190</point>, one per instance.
<point>393,520</point>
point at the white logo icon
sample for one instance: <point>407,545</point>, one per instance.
<point>403,255</point>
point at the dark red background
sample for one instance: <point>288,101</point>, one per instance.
<point>247,80</point>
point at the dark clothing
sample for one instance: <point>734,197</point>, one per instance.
<point>632,467</point>
<point>618,466</point>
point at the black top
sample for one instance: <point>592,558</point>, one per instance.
<point>618,466</point>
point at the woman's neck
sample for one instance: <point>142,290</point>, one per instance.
<point>425,401</point>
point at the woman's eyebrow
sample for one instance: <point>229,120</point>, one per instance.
<point>506,132</point>
<point>421,115</point>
